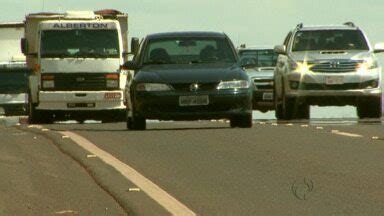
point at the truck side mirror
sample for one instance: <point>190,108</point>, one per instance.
<point>134,45</point>
<point>130,65</point>
<point>24,46</point>
<point>280,49</point>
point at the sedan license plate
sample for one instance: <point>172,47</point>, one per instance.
<point>334,80</point>
<point>268,96</point>
<point>195,100</point>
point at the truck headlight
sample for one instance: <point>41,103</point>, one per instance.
<point>48,81</point>
<point>235,84</point>
<point>152,87</point>
<point>112,80</point>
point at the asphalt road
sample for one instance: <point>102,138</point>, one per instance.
<point>332,167</point>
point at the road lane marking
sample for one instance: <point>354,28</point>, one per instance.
<point>170,203</point>
<point>346,134</point>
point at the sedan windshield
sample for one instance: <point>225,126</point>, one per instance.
<point>80,43</point>
<point>188,51</point>
<point>329,40</point>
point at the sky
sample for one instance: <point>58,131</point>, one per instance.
<point>254,22</point>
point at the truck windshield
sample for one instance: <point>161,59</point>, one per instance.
<point>258,58</point>
<point>188,50</point>
<point>329,40</point>
<point>80,43</point>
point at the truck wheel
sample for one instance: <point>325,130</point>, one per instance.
<point>33,115</point>
<point>369,108</point>
<point>242,121</point>
<point>136,123</point>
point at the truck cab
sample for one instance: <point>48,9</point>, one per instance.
<point>76,59</point>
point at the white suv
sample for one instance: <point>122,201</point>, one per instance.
<point>327,65</point>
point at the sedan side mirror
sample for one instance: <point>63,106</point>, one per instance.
<point>379,48</point>
<point>280,49</point>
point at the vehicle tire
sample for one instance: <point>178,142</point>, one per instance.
<point>288,107</point>
<point>34,116</point>
<point>242,121</point>
<point>279,114</point>
<point>369,108</point>
<point>302,111</point>
<point>136,123</point>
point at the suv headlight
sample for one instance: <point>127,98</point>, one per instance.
<point>235,84</point>
<point>152,87</point>
<point>301,67</point>
<point>367,65</point>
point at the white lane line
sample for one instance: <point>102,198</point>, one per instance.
<point>170,203</point>
<point>346,134</point>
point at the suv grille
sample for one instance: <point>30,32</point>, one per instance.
<point>335,67</point>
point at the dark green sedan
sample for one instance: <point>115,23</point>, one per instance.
<point>187,76</point>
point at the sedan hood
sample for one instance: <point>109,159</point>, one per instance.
<point>189,73</point>
<point>330,55</point>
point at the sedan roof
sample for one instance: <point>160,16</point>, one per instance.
<point>186,34</point>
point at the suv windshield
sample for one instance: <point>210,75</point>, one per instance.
<point>258,58</point>
<point>329,40</point>
<point>79,43</point>
<point>188,50</point>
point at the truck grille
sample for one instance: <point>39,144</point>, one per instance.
<point>79,82</point>
<point>335,66</point>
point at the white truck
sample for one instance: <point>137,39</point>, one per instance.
<point>76,59</point>
<point>13,70</point>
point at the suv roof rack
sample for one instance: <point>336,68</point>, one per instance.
<point>300,25</point>
<point>350,24</point>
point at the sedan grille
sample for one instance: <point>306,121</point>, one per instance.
<point>195,86</point>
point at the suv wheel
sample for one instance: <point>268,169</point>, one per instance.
<point>279,114</point>
<point>292,109</point>
<point>369,108</point>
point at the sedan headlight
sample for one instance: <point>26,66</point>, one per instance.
<point>235,84</point>
<point>152,87</point>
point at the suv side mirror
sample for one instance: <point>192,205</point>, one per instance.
<point>379,48</point>
<point>130,65</point>
<point>135,45</point>
<point>280,49</point>
<point>24,46</point>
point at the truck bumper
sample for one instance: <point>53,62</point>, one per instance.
<point>80,100</point>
